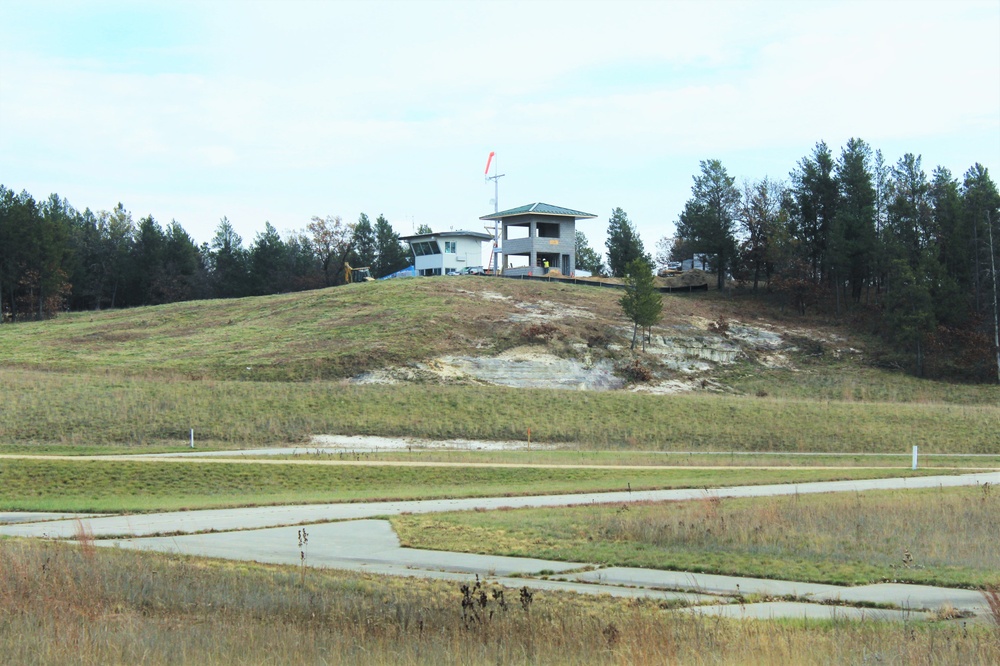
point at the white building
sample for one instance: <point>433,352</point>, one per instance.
<point>439,253</point>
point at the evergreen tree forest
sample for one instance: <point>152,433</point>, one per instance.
<point>54,258</point>
<point>904,253</point>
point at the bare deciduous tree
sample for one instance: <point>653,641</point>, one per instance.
<point>332,241</point>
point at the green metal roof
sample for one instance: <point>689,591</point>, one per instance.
<point>538,209</point>
<point>449,234</point>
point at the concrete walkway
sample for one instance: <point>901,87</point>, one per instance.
<point>372,546</point>
<point>271,535</point>
<point>225,520</point>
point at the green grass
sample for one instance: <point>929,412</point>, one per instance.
<point>845,381</point>
<point>950,535</point>
<point>66,605</point>
<point>321,334</point>
<point>340,332</point>
<point>112,486</point>
<point>257,371</point>
<point>44,408</point>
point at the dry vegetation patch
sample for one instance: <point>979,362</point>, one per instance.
<point>60,604</point>
<point>938,537</point>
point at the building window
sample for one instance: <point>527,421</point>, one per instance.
<point>423,249</point>
<point>449,247</point>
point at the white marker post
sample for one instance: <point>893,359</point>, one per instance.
<point>192,441</point>
<point>914,456</point>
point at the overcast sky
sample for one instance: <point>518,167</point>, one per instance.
<point>278,111</point>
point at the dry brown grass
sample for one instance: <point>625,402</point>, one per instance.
<point>936,536</point>
<point>992,595</point>
<point>84,537</point>
<point>58,606</point>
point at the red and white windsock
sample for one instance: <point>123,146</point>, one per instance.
<point>488,161</point>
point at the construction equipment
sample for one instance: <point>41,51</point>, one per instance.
<point>363,274</point>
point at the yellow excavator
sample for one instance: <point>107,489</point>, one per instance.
<point>357,274</point>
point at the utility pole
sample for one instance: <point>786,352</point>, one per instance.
<point>996,316</point>
<point>496,209</point>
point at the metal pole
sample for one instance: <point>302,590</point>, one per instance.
<point>996,318</point>
<point>496,209</point>
<point>496,222</point>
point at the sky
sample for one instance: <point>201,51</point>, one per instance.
<point>279,111</point>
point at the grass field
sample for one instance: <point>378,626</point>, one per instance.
<point>321,334</point>
<point>258,371</point>
<point>942,537</point>
<point>116,486</point>
<point>61,605</point>
<point>270,371</point>
<point>81,410</point>
<point>839,381</point>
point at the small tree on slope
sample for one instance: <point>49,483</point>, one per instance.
<point>641,302</point>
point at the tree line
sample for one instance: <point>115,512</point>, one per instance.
<point>910,254</point>
<point>907,253</point>
<point>54,257</point>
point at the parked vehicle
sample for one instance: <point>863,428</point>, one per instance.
<point>672,268</point>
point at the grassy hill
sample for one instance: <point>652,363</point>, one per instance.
<point>340,332</point>
<point>324,334</point>
<point>272,369</point>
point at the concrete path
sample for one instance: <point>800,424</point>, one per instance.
<point>903,595</point>
<point>225,520</point>
<point>772,610</point>
<point>372,546</point>
<point>271,534</point>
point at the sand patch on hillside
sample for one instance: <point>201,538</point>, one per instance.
<point>371,444</point>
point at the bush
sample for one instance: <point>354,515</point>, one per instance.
<point>635,372</point>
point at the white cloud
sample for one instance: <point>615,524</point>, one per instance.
<point>283,110</point>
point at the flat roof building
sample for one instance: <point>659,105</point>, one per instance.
<point>439,253</point>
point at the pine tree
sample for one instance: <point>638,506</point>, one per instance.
<point>980,201</point>
<point>229,262</point>
<point>852,244</point>
<point>641,302</point>
<point>390,255</point>
<point>587,258</point>
<point>623,244</point>
<point>709,216</point>
<point>816,195</point>
<point>365,244</point>
<point>268,262</point>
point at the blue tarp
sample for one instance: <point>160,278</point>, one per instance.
<point>409,271</point>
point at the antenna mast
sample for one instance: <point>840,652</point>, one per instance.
<point>496,207</point>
